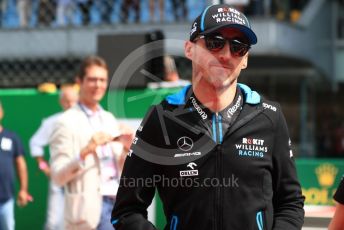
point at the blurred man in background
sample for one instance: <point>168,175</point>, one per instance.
<point>11,156</point>
<point>24,9</point>
<point>126,7</point>
<point>65,12</point>
<point>86,145</point>
<point>152,6</point>
<point>105,8</point>
<point>180,10</point>
<point>46,12</point>
<point>40,139</point>
<point>85,9</point>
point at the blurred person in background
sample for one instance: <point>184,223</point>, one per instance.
<point>64,12</point>
<point>11,156</point>
<point>84,154</point>
<point>171,77</point>
<point>40,139</point>
<point>127,5</point>
<point>85,9</point>
<point>337,222</point>
<point>180,10</point>
<point>3,8</point>
<point>171,72</point>
<point>152,5</point>
<point>105,8</point>
<point>46,12</point>
<point>24,8</point>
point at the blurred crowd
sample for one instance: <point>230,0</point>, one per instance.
<point>83,183</point>
<point>57,13</point>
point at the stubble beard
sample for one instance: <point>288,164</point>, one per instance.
<point>221,83</point>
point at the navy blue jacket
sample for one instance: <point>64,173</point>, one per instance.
<point>207,176</point>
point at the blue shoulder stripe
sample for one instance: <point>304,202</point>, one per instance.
<point>251,97</point>
<point>179,97</point>
<point>114,222</point>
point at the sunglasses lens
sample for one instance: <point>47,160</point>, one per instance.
<point>214,43</point>
<point>238,48</point>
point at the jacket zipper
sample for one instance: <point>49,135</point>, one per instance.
<point>218,136</point>
<point>217,128</point>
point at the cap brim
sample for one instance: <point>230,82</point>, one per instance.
<point>244,29</point>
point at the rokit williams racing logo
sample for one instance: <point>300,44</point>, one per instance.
<point>192,172</point>
<point>251,147</point>
<point>228,15</point>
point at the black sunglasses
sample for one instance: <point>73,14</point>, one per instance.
<point>215,43</point>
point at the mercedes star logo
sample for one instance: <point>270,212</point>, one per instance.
<point>185,143</point>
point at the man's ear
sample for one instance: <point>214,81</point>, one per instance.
<point>188,49</point>
<point>244,62</point>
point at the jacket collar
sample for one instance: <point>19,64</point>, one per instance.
<point>180,98</point>
<point>88,111</point>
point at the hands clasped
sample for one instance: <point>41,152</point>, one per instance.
<point>98,139</point>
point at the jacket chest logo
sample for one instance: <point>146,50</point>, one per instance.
<point>185,143</point>
<point>251,147</point>
<point>192,172</point>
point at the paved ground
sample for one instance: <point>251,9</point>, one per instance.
<point>318,217</point>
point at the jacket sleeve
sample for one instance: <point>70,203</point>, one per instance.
<point>287,200</point>
<point>40,139</point>
<point>137,188</point>
<point>65,166</point>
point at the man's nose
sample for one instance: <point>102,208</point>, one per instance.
<point>225,52</point>
<point>99,82</point>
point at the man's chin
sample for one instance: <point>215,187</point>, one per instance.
<point>220,71</point>
<point>97,99</point>
<point>221,85</point>
<point>98,96</point>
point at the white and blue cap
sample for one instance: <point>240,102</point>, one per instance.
<point>221,16</point>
